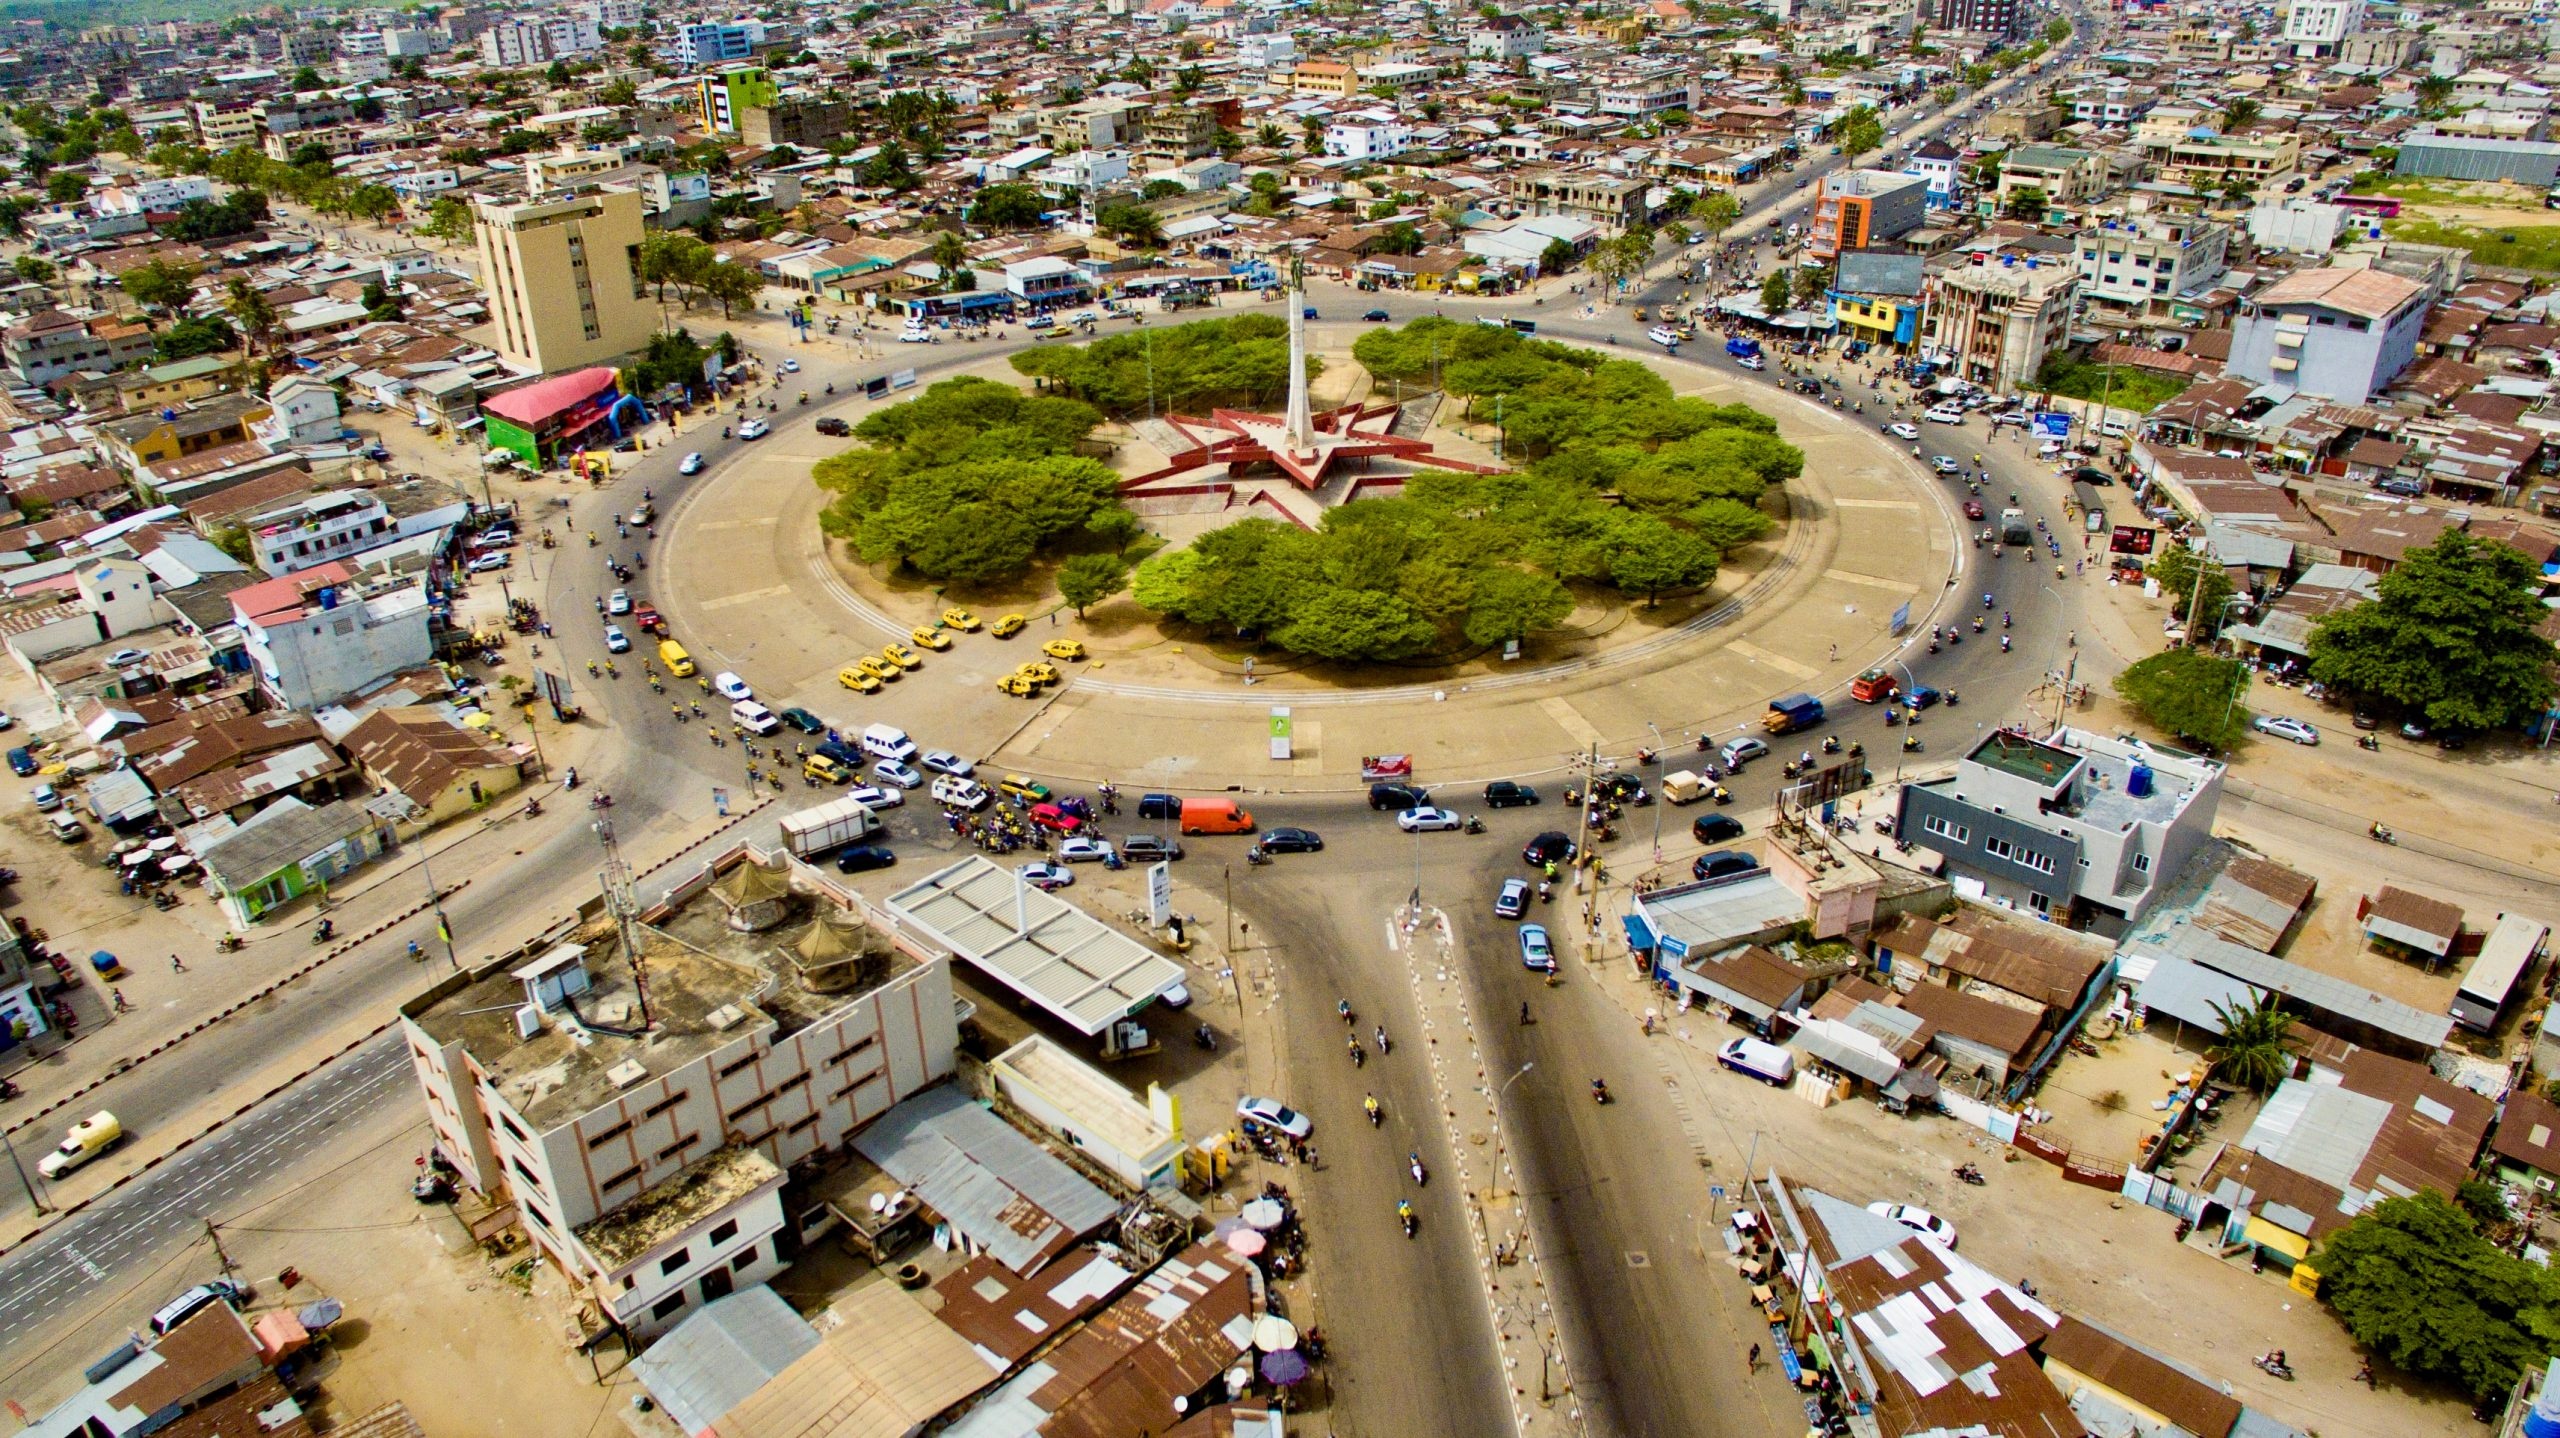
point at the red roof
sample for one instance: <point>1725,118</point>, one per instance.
<point>542,399</point>
<point>286,596</point>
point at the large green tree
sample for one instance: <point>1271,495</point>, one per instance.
<point>1088,579</point>
<point>2414,1280</point>
<point>163,285</point>
<point>2195,587</point>
<point>2188,693</point>
<point>2450,635</point>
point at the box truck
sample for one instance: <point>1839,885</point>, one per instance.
<point>825,827</point>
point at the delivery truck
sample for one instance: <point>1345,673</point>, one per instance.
<point>2015,528</point>
<point>89,1138</point>
<point>1684,787</point>
<point>827,827</point>
<point>1791,712</point>
<point>1742,347</point>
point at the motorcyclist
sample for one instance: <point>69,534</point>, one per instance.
<point>1369,1103</point>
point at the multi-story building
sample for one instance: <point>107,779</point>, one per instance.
<point>313,531</point>
<point>1504,38</point>
<point>308,47</point>
<point>334,140</point>
<point>1998,317</point>
<point>2316,29</point>
<point>2340,333</point>
<point>617,14</point>
<point>1856,209</point>
<point>1605,200</point>
<point>2115,105</point>
<point>1324,77</point>
<point>358,44</point>
<point>2066,176</point>
<point>1367,137</point>
<point>225,124</point>
<point>316,636</point>
<point>1653,95</point>
<point>1940,167</point>
<point>150,197</point>
<point>2211,162</point>
<point>48,345</point>
<point>1103,123</point>
<point>563,279</point>
<point>1878,297</point>
<point>701,44</point>
<point>640,1109</point>
<point>2005,19</point>
<point>2138,267</point>
<point>744,101</point>
<point>538,39</point>
<point>1178,132</point>
<point>402,44</point>
<point>288,114</point>
<point>2082,828</point>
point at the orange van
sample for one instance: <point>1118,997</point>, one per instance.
<point>1215,816</point>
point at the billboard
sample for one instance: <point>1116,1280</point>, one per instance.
<point>2053,424</point>
<point>2131,539</point>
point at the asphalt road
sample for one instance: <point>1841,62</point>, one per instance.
<point>106,1249</point>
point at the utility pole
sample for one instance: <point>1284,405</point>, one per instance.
<point>1582,821</point>
<point>1229,871</point>
<point>214,1236</point>
<point>34,1200</point>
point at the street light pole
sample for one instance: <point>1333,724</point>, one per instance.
<point>1659,800</point>
<point>435,901</point>
<point>29,1184</point>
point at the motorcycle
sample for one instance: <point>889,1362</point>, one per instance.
<point>1377,1115</point>
<point>1205,1037</point>
<point>1474,825</point>
<point>1384,1047</point>
<point>1830,743</point>
<point>533,808</point>
<point>1404,1212</point>
<point>2368,743</point>
<point>1359,1055</point>
<point>1599,1091</point>
<point>1421,1175</point>
<point>1969,1174</point>
<point>2274,1365</point>
<point>1343,1007</point>
<point>1910,743</point>
<point>569,780</point>
<point>227,944</point>
<point>1546,891</point>
<point>1255,856</point>
<point>324,931</point>
<point>2382,834</point>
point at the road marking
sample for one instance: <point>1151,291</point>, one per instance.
<point>727,601</point>
<point>712,524</point>
<point>1907,505</point>
<point>96,1274</point>
<point>1872,581</point>
<point>1570,720</point>
<point>1779,662</point>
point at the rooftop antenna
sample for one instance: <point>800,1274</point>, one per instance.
<point>615,879</point>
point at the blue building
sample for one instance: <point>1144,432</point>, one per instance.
<point>704,44</point>
<point>1876,297</point>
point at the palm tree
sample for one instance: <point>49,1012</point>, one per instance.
<point>950,255</point>
<point>256,316</point>
<point>2256,1051</point>
<point>2239,115</point>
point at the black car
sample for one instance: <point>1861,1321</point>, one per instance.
<point>1716,829</point>
<point>829,424</point>
<point>1398,797</point>
<point>2089,475</point>
<point>1376,317</point>
<point>1159,806</point>
<point>1503,794</point>
<point>1551,847</point>
<point>804,721</point>
<point>1720,863</point>
<point>1147,848</point>
<point>864,856</point>
<point>1291,841</point>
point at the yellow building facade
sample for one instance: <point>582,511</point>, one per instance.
<point>563,279</point>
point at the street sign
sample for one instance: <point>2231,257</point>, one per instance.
<point>1280,731</point>
<point>1902,617</point>
<point>902,379</point>
<point>1160,893</point>
<point>1671,948</point>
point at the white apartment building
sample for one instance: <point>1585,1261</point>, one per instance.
<point>141,197</point>
<point>313,643</point>
<point>1505,38</point>
<point>618,14</point>
<point>1636,99</point>
<point>2316,28</point>
<point>1367,136</point>
<point>643,1129</point>
<point>538,40</point>
<point>2139,266</point>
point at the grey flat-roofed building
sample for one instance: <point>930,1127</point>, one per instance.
<point>2455,157</point>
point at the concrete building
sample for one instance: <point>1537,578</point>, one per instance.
<point>2317,28</point>
<point>2343,334</point>
<point>2005,19</point>
<point>1103,123</point>
<point>1505,38</point>
<point>48,345</point>
<point>1637,99</point>
<point>643,1132</point>
<point>1324,77</point>
<point>1998,318</point>
<point>1858,209</point>
<point>2432,154</point>
<point>1878,297</point>
<point>225,124</point>
<point>2084,829</point>
<point>440,768</point>
<point>317,636</point>
<point>1939,166</point>
<point>563,279</point>
<point>2065,175</point>
<point>2297,224</point>
<point>1178,132</point>
<point>701,44</point>
<point>145,197</point>
<point>537,40</point>
<point>1367,138</point>
<point>1606,200</point>
<point>2210,162</point>
<point>2137,267</point>
<point>313,531</point>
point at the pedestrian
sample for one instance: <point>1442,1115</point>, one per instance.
<point>177,965</point>
<point>1751,1364</point>
<point>1308,1154</point>
<point>1835,653</point>
<point>1524,1012</point>
<point>122,1006</point>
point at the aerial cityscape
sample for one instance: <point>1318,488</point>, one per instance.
<point>1241,718</point>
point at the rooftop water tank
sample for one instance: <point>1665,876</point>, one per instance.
<point>2543,1419</point>
<point>2137,785</point>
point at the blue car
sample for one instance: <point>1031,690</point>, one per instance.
<point>1535,952</point>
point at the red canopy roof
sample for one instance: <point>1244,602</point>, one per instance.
<point>542,399</point>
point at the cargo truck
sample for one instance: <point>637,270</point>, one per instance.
<point>2016,528</point>
<point>826,827</point>
<point>1791,712</point>
<point>1742,347</point>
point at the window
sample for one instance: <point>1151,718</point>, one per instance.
<point>1998,848</point>
<point>745,1260</point>
<point>2039,903</point>
<point>609,1135</point>
<point>672,1303</point>
<point>865,1042</point>
<point>1957,833</point>
<point>2142,863</point>
<point>728,1069</point>
<point>662,1105</point>
<point>628,1175</point>
<point>507,1122</point>
<point>722,1232</point>
<point>675,1260</point>
<point>750,1106</point>
<point>677,1147</point>
<point>804,1125</point>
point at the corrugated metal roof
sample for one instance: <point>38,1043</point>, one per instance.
<point>1075,966</point>
<point>994,1187</point>
<point>2318,1130</point>
<point>2321,991</point>
<point>716,1358</point>
<point>2187,992</point>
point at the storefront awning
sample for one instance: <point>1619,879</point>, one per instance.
<point>1639,933</point>
<point>2281,1240</point>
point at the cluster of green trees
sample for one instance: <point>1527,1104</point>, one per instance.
<point>2416,1281</point>
<point>201,220</point>
<point>672,257</point>
<point>308,179</point>
<point>971,481</point>
<point>1239,362</point>
<point>2451,636</point>
<point>675,357</point>
<point>1631,488</point>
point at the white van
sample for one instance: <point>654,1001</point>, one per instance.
<point>1945,414</point>
<point>753,717</point>
<point>1766,1062</point>
<point>888,741</point>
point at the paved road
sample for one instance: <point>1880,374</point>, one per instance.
<point>104,1249</point>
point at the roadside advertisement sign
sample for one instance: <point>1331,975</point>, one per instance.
<point>2053,424</point>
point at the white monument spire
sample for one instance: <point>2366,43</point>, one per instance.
<point>1299,428</point>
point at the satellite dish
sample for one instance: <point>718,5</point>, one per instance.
<point>879,1203</point>
<point>898,1199</point>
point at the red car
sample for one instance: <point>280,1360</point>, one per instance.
<point>1973,509</point>
<point>1055,819</point>
<point>647,619</point>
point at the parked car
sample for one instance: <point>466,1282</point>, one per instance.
<point>830,425</point>
<point>1416,821</point>
<point>729,686</point>
<point>1292,841</point>
<point>195,1300</point>
<point>1272,1113</point>
<point>2284,727</point>
<point>1503,794</point>
<point>804,721</point>
<point>897,773</point>
<point>488,562</point>
<point>1720,862</point>
<point>1917,1219</point>
<point>943,761</point>
<point>1398,797</point>
<point>872,796</point>
<point>1535,951</point>
<point>1716,829</point>
<point>959,792</point>
<point>45,797</point>
<point>1512,900</point>
<point>1046,876</point>
<point>753,717</point>
<point>861,857</point>
<point>1081,850</point>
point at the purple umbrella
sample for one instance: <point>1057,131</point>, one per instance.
<point>1284,1367</point>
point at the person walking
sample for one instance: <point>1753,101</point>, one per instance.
<point>177,965</point>
<point>1751,1364</point>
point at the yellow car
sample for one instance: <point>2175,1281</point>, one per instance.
<point>1063,649</point>
<point>855,678</point>
<point>1008,626</point>
<point>930,638</point>
<point>960,619</point>
<point>1018,686</point>
<point>901,655</point>
<point>1038,671</point>
<point>1022,786</point>
<point>877,669</point>
<point>825,770</point>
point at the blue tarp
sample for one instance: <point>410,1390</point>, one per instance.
<point>1639,934</point>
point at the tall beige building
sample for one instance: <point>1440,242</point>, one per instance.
<point>563,279</point>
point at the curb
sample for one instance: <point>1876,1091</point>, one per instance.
<point>162,1047</point>
<point>61,1215</point>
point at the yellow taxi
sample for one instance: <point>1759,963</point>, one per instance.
<point>1008,626</point>
<point>930,638</point>
<point>854,678</point>
<point>1022,786</point>
<point>878,669</point>
<point>960,619</point>
<point>1017,685</point>
<point>1064,649</point>
<point>901,655</point>
<point>825,770</point>
<point>1038,671</point>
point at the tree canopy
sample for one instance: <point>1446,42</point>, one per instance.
<point>1242,361</point>
<point>2415,1280</point>
<point>2188,693</point>
<point>2450,635</point>
<point>968,482</point>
